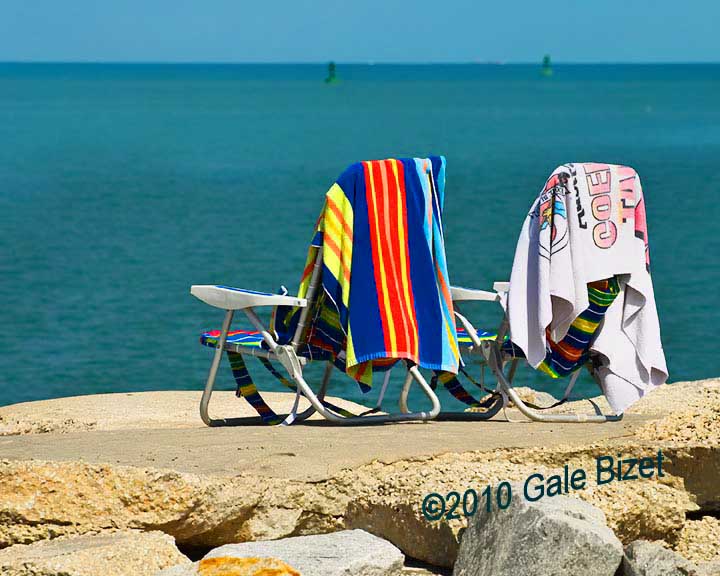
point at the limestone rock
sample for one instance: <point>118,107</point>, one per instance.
<point>41,500</point>
<point>643,558</point>
<point>134,411</point>
<point>709,568</point>
<point>345,553</point>
<point>228,566</point>
<point>558,535</point>
<point>113,553</point>
<point>699,540</point>
<point>209,487</point>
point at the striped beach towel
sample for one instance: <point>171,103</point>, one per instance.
<point>572,352</point>
<point>385,290</point>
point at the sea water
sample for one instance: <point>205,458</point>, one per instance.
<point>122,185</point>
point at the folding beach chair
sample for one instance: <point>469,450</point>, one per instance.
<point>587,227</point>
<point>503,358</point>
<point>403,306</point>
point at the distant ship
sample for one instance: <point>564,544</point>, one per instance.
<point>547,66</point>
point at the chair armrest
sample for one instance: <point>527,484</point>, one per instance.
<point>229,298</point>
<point>464,294</point>
<point>501,287</point>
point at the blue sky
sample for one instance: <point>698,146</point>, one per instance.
<point>359,31</point>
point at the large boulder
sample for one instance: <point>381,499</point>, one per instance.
<point>229,566</point>
<point>558,536</point>
<point>345,553</point>
<point>644,558</point>
<point>122,553</point>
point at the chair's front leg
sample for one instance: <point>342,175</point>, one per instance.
<point>219,349</point>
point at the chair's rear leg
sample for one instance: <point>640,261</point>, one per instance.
<point>495,362</point>
<point>402,402</point>
<point>325,380</point>
<point>294,369</point>
<point>305,414</point>
<point>207,393</point>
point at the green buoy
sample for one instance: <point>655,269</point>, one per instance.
<point>331,78</point>
<point>547,66</point>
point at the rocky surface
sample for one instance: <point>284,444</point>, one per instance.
<point>699,540</point>
<point>558,535</point>
<point>135,410</point>
<point>643,558</point>
<point>344,553</point>
<point>229,566</point>
<point>162,470</point>
<point>113,553</point>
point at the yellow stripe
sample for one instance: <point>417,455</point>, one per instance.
<point>350,358</point>
<point>451,334</point>
<point>544,368</point>
<point>383,280</point>
<point>341,201</point>
<point>585,325</point>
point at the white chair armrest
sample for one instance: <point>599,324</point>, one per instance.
<point>229,298</point>
<point>464,294</point>
<point>501,287</point>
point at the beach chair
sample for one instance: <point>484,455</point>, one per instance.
<point>400,311</point>
<point>502,357</point>
<point>587,227</point>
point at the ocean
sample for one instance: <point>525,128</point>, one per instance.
<point>122,185</point>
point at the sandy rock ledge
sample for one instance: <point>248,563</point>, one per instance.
<point>276,488</point>
<point>121,553</point>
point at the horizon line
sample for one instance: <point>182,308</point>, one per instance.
<point>359,62</point>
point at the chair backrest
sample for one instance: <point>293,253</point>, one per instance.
<point>381,229</point>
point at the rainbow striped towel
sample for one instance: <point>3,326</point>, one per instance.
<point>385,284</point>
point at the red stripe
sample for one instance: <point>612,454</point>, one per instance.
<point>414,338</point>
<point>374,240</point>
<point>381,198</point>
<point>392,263</point>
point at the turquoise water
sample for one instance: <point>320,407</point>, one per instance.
<point>122,185</point>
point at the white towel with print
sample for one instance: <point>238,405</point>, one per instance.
<point>588,224</point>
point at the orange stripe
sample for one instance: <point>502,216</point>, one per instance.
<point>568,352</point>
<point>330,243</point>
<point>347,231</point>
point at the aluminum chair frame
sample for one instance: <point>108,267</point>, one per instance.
<point>492,353</point>
<point>232,299</point>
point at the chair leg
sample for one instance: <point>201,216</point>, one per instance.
<point>287,357</point>
<point>456,416</point>
<point>495,362</point>
<point>207,393</point>
<point>305,414</point>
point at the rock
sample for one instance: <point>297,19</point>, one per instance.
<point>112,553</point>
<point>699,467</point>
<point>118,465</point>
<point>643,558</point>
<point>135,410</point>
<point>558,536</point>
<point>228,566</point>
<point>48,499</point>
<point>391,509</point>
<point>345,553</point>
<point>537,397</point>
<point>699,540</point>
<point>403,524</point>
<point>709,568</point>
